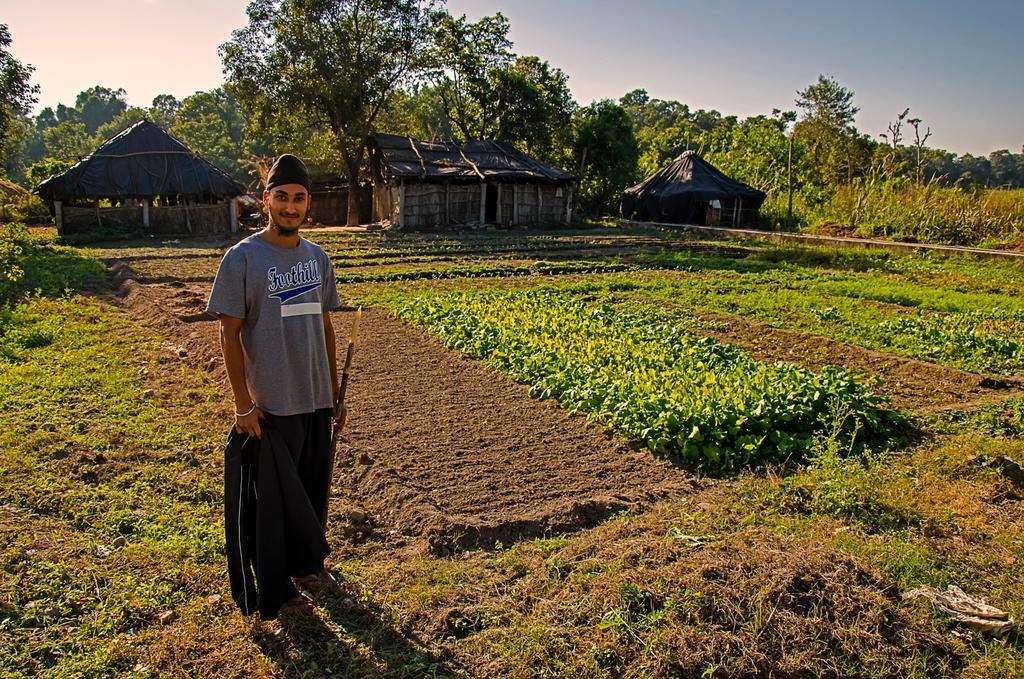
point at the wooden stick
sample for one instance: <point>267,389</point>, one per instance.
<point>339,404</point>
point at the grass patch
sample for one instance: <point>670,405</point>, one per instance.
<point>79,478</point>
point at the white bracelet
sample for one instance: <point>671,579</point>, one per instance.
<point>247,412</point>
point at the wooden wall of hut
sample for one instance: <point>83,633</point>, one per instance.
<point>90,218</point>
<point>732,213</point>
<point>385,202</point>
<point>463,204</point>
<point>190,219</point>
<point>330,206</point>
<point>173,220</point>
<point>438,205</point>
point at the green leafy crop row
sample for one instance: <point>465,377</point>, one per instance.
<point>638,369</point>
<point>480,271</point>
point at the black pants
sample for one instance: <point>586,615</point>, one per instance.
<point>275,493</point>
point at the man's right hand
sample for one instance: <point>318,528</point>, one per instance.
<point>249,424</point>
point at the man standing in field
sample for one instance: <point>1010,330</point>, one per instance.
<point>274,292</point>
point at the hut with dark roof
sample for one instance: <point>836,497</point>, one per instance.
<point>690,190</point>
<point>143,175</point>
<point>426,185</point>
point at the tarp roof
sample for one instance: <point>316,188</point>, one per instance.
<point>141,161</point>
<point>408,158</point>
<point>672,193</point>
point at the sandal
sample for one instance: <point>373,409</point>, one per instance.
<point>317,580</point>
<point>300,604</point>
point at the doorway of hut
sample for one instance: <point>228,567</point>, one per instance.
<point>491,205</point>
<point>702,212</point>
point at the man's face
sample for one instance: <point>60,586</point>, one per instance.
<point>287,204</point>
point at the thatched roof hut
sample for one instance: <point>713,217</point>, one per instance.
<point>690,190</point>
<point>154,178</point>
<point>418,184</point>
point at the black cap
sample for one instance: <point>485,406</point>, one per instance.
<point>288,169</point>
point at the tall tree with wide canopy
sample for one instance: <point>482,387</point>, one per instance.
<point>213,125</point>
<point>334,63</point>
<point>535,108</point>
<point>164,110</point>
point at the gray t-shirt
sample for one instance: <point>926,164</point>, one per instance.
<point>282,294</point>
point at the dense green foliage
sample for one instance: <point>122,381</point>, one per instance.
<point>485,91</point>
<point>640,370</point>
<point>17,95</point>
<point>606,151</point>
<point>31,263</point>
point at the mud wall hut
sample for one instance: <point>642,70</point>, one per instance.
<point>143,175</point>
<point>427,185</point>
<point>691,190</point>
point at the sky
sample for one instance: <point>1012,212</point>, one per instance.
<point>957,65</point>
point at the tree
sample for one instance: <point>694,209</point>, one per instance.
<point>67,141</point>
<point>99,105</point>
<point>607,153</point>
<point>333,63</point>
<point>68,114</point>
<point>213,125</point>
<point>534,108</point>
<point>17,95</point>
<point>46,118</point>
<point>1004,168</point>
<point>919,145</point>
<point>47,168</point>
<point>487,92</point>
<point>417,112</point>
<point>164,109</point>
<point>664,129</point>
<point>828,103</point>
<point>975,170</point>
<point>755,150</point>
<point>118,123</point>
<point>465,57</point>
<point>836,151</point>
<point>891,162</point>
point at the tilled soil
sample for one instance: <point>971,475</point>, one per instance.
<point>442,446</point>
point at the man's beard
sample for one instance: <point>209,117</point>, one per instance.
<point>285,230</point>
